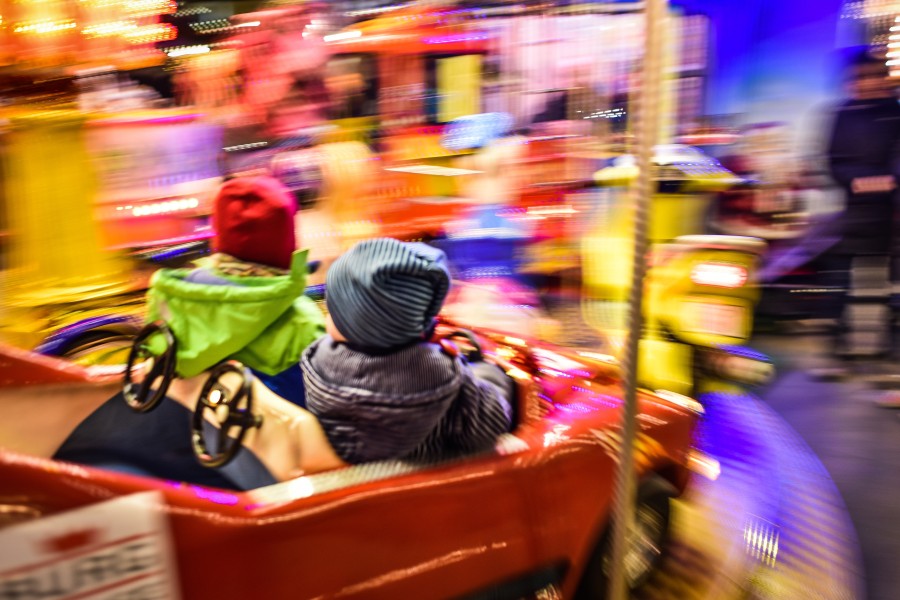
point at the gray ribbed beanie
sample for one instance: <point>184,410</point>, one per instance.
<point>384,293</point>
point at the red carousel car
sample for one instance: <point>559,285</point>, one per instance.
<point>253,502</point>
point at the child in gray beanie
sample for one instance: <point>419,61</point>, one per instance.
<point>379,387</point>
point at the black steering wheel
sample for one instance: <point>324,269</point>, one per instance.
<point>141,397</point>
<point>472,352</point>
<point>228,413</point>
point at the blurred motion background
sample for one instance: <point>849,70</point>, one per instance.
<point>501,132</point>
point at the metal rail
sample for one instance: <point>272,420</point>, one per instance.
<point>648,116</point>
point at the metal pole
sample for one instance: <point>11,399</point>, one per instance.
<point>647,130</point>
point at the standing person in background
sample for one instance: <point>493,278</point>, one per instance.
<point>862,158</point>
<point>862,154</point>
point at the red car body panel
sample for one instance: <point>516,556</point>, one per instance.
<point>446,531</point>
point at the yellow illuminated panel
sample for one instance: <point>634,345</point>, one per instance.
<point>459,87</point>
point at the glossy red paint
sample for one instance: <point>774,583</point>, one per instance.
<point>539,502</point>
<point>21,367</point>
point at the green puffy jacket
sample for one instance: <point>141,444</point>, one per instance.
<point>263,322</point>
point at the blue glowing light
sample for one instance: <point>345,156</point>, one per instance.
<point>475,131</point>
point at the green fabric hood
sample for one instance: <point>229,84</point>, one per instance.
<point>263,322</point>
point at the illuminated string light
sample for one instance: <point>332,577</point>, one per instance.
<point>372,11</point>
<point>213,25</point>
<point>43,27</point>
<point>113,28</point>
<point>762,541</point>
<point>92,25</point>
<point>187,51</point>
<point>190,12</point>
<point>169,206</point>
<point>142,8</point>
<point>159,32</point>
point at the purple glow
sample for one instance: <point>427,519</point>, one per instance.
<point>214,496</point>
<point>450,39</point>
<point>576,407</point>
<point>147,121</point>
<point>745,352</point>
<point>604,399</point>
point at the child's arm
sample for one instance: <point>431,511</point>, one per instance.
<point>482,411</point>
<point>493,375</point>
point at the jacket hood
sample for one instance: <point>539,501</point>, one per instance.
<point>392,401</point>
<point>265,322</point>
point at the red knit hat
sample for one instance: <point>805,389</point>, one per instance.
<point>254,221</point>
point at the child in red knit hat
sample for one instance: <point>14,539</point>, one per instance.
<point>247,300</point>
<point>254,223</point>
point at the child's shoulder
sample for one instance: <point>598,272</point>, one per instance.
<point>413,352</point>
<point>414,360</point>
<point>207,276</point>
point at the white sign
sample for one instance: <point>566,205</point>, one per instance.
<point>114,550</point>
